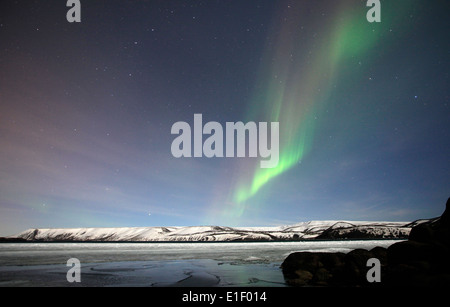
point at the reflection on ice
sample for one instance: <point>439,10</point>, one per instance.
<point>154,273</point>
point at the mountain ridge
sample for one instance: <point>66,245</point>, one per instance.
<point>332,229</point>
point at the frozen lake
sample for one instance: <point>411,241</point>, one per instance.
<point>159,264</point>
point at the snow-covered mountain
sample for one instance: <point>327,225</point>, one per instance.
<point>300,231</point>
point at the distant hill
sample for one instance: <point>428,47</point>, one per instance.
<point>324,230</point>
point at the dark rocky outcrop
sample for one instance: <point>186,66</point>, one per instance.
<point>329,269</point>
<point>422,260</point>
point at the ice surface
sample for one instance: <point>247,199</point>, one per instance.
<point>158,264</point>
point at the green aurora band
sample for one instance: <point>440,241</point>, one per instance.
<point>301,70</point>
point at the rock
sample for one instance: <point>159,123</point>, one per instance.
<point>326,269</point>
<point>437,231</point>
<point>309,268</point>
<point>303,277</point>
<point>379,253</point>
<point>422,260</point>
<point>355,266</point>
<point>322,277</point>
<point>408,251</point>
<point>421,233</point>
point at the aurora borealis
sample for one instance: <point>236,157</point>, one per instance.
<point>86,111</point>
<point>301,80</point>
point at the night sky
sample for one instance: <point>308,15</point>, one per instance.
<point>86,111</point>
